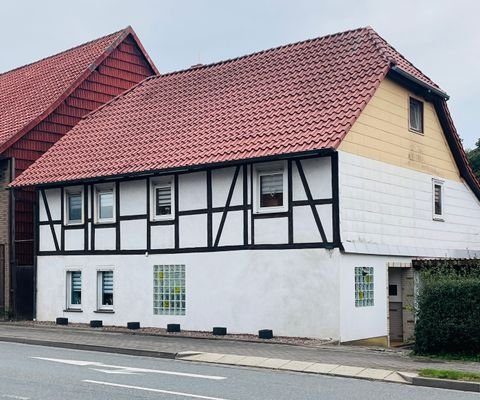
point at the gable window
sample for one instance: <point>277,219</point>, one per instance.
<point>416,115</point>
<point>74,290</point>
<point>437,200</point>
<point>104,204</point>
<point>105,290</point>
<point>271,189</point>
<point>364,287</point>
<point>74,206</point>
<point>162,196</point>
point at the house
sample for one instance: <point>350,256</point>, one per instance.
<point>39,103</point>
<point>288,189</point>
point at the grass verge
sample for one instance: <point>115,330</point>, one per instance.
<point>448,374</point>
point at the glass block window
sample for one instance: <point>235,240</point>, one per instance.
<point>169,289</point>
<point>364,287</point>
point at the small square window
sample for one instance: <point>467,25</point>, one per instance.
<point>437,200</point>
<point>169,290</point>
<point>74,290</point>
<point>104,204</point>
<point>162,196</point>
<point>392,290</point>
<point>271,191</point>
<point>74,206</point>
<point>416,115</point>
<point>105,290</point>
<point>364,287</point>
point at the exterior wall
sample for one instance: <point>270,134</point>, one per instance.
<point>293,292</point>
<point>213,210</point>
<point>382,133</point>
<point>4,237</point>
<point>386,209</point>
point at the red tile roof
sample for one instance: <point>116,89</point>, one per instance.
<point>30,92</point>
<point>294,98</point>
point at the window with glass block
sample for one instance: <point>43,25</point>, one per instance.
<point>169,289</point>
<point>364,287</point>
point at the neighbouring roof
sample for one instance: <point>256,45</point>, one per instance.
<point>29,93</point>
<point>295,98</point>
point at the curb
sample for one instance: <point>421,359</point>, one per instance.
<point>463,386</point>
<point>90,347</point>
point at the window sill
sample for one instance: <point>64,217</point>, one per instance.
<point>73,310</point>
<point>104,312</point>
<point>438,219</point>
<point>421,133</point>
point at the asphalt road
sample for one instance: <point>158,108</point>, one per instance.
<point>35,372</point>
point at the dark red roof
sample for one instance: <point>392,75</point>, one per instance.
<point>30,92</point>
<point>294,98</point>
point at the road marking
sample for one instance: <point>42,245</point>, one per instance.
<point>195,396</point>
<point>12,396</point>
<point>123,369</point>
<point>119,372</point>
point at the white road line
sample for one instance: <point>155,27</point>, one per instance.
<point>195,396</point>
<point>12,396</point>
<point>128,369</point>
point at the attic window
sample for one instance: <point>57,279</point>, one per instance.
<point>416,115</point>
<point>437,199</point>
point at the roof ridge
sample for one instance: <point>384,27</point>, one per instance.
<point>256,53</point>
<point>117,33</point>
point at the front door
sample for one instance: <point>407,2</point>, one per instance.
<point>396,321</point>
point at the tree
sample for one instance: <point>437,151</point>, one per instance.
<point>474,158</point>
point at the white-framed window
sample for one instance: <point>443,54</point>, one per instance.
<point>105,289</point>
<point>415,120</point>
<point>437,200</point>
<point>364,287</point>
<point>104,203</point>
<point>169,290</point>
<point>74,206</point>
<point>74,290</point>
<point>271,188</point>
<point>162,199</point>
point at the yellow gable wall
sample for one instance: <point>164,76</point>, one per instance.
<point>381,133</point>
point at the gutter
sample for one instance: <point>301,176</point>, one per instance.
<point>429,88</point>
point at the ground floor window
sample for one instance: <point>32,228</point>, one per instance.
<point>74,289</point>
<point>364,287</point>
<point>169,289</point>
<point>105,290</point>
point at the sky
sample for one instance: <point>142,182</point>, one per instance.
<point>440,37</point>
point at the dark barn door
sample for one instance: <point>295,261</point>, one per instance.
<point>24,292</point>
<point>2,281</point>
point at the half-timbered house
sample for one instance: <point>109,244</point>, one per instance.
<point>276,190</point>
<point>39,103</point>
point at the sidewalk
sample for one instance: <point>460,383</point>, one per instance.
<point>352,361</point>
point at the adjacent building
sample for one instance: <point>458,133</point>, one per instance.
<point>39,103</point>
<point>287,189</point>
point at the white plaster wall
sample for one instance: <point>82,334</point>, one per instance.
<point>105,239</point>
<point>162,237</point>
<point>193,230</point>
<point>271,231</point>
<point>46,242</point>
<point>74,239</point>
<point>133,197</point>
<point>54,203</point>
<point>232,233</point>
<point>385,209</point>
<point>192,191</point>
<point>293,292</point>
<point>318,173</point>
<point>221,182</point>
<point>133,234</point>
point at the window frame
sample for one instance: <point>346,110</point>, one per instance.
<point>162,292</point>
<point>361,287</point>
<point>270,169</point>
<point>98,190</point>
<point>69,305</point>
<point>422,115</point>
<point>77,190</point>
<point>438,217</point>
<point>154,185</point>
<point>100,306</point>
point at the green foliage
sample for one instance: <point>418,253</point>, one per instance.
<point>449,311</point>
<point>474,158</point>
<point>449,374</point>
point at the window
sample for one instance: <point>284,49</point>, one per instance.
<point>416,115</point>
<point>162,200</point>
<point>105,290</point>
<point>74,206</point>
<point>104,204</point>
<point>169,289</point>
<point>364,286</point>
<point>271,190</point>
<point>74,290</point>
<point>437,200</point>
<point>392,290</point>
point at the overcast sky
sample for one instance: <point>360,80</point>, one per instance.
<point>441,37</point>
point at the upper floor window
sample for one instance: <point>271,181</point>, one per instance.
<point>437,200</point>
<point>416,115</point>
<point>74,206</point>
<point>271,186</point>
<point>105,204</point>
<point>162,196</point>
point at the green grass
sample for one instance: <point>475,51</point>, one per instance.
<point>448,374</point>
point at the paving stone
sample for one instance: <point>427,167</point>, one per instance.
<point>373,373</point>
<point>395,377</point>
<point>345,370</point>
<point>230,359</point>
<point>205,357</point>
<point>252,361</point>
<point>296,365</point>
<point>319,368</point>
<point>273,363</point>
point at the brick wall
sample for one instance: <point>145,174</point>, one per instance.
<point>4,236</point>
